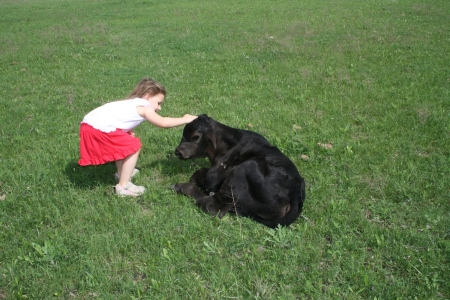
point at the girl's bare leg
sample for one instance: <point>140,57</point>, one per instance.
<point>119,166</point>
<point>126,167</point>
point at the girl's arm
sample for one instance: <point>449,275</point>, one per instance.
<point>164,122</point>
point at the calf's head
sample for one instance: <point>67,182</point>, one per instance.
<point>198,139</point>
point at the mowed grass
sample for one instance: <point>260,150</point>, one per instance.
<point>356,93</point>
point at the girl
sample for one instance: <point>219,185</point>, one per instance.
<point>106,132</point>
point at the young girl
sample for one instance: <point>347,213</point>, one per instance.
<point>106,132</point>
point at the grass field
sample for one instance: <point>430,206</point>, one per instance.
<point>356,93</point>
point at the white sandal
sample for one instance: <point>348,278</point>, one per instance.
<point>129,190</point>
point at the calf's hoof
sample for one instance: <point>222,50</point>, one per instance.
<point>183,188</point>
<point>176,187</point>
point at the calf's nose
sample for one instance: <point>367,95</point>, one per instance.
<point>177,153</point>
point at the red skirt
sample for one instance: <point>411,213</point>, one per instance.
<point>98,147</point>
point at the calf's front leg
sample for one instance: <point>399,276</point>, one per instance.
<point>188,189</point>
<point>209,204</point>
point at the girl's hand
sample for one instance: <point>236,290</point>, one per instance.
<point>189,118</point>
<point>131,132</point>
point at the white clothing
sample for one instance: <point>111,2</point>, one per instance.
<point>116,115</point>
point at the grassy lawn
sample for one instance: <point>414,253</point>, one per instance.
<point>356,93</point>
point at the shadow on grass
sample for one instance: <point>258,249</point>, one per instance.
<point>172,166</point>
<point>90,176</point>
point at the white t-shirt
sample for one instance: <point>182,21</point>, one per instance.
<point>116,115</point>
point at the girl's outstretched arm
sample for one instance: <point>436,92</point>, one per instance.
<point>164,122</point>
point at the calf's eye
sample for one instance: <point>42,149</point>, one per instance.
<point>195,138</point>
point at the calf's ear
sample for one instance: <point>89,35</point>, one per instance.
<point>211,135</point>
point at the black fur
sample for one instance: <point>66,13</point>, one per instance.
<point>248,176</point>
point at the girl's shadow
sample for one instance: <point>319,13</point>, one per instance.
<point>90,176</point>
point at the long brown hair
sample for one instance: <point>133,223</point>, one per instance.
<point>147,86</point>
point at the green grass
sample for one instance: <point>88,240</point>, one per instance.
<point>370,78</point>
